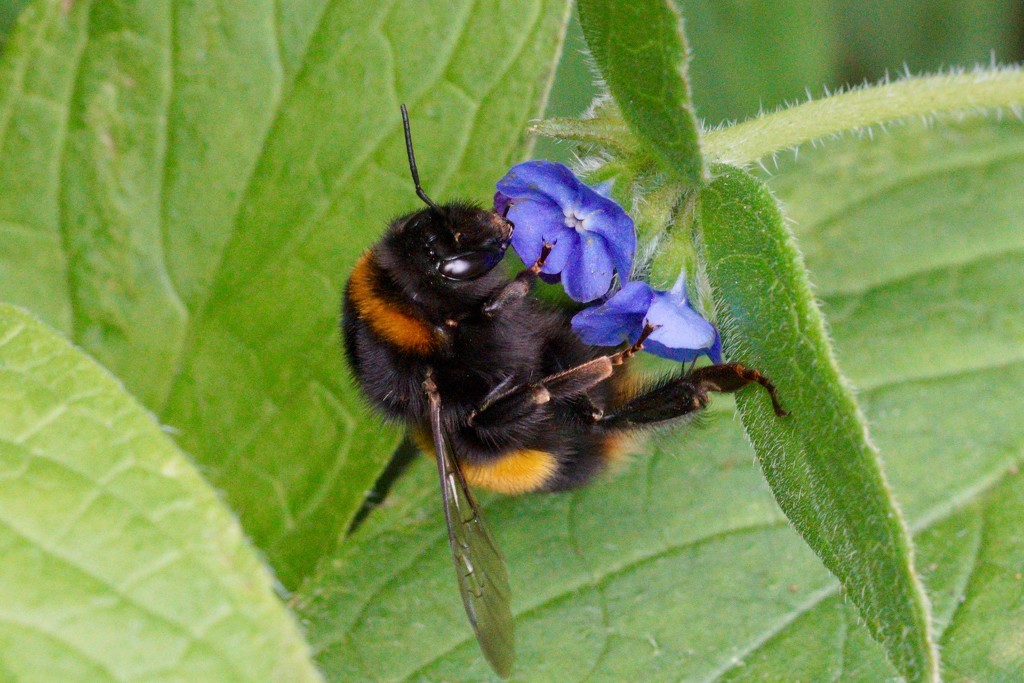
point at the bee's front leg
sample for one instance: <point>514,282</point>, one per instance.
<point>519,287</point>
<point>445,336</point>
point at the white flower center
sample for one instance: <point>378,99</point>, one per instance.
<point>574,220</point>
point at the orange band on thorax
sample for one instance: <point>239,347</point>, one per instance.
<point>386,318</point>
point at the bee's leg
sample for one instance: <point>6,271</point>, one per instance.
<point>685,394</point>
<point>444,336</point>
<point>511,402</point>
<point>522,399</point>
<point>519,287</point>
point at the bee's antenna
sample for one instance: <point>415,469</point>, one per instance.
<point>412,163</point>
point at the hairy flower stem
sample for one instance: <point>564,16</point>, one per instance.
<point>976,91</point>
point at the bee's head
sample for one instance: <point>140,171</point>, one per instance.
<point>446,249</point>
<point>457,243</point>
<point>450,251</point>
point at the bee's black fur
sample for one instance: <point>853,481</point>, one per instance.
<point>519,343</point>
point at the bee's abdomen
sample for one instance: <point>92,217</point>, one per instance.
<point>384,311</point>
<point>558,466</point>
<point>517,471</point>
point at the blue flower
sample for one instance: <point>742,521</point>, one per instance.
<point>681,334</point>
<point>592,236</point>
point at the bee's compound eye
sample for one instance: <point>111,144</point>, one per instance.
<point>470,265</point>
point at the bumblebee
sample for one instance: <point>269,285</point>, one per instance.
<point>493,382</point>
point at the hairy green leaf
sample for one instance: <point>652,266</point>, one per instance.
<point>681,566</point>
<point>917,245</point>
<point>119,562</point>
<point>641,51</point>
<point>184,187</point>
<point>819,461</point>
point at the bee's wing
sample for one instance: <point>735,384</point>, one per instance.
<point>479,566</point>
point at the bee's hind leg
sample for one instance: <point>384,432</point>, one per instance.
<point>681,395</point>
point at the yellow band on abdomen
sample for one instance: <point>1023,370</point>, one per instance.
<point>516,472</point>
<point>512,473</point>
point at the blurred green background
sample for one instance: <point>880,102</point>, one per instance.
<point>748,54</point>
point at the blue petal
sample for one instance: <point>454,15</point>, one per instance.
<point>598,241</point>
<point>534,179</point>
<point>501,203</point>
<point>677,294</point>
<point>679,355</point>
<point>566,247</point>
<point>682,333</point>
<point>604,188</point>
<point>599,327</point>
<point>619,319</point>
<point>535,221</point>
<point>634,297</point>
<point>620,239</point>
<point>606,218</point>
<point>589,275</point>
<point>715,352</point>
<point>679,326</point>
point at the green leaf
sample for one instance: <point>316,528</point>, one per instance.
<point>681,566</point>
<point>641,51</point>
<point>955,255</point>
<point>819,461</point>
<point>184,187</point>
<point>9,11</point>
<point>916,243</point>
<point>118,561</point>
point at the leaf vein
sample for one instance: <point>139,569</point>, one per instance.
<point>893,182</point>
<point>910,274</point>
<point>62,226</point>
<point>17,89</point>
<point>61,641</point>
<point>47,549</point>
<point>164,136</point>
<point>965,589</point>
<point>601,579</point>
<point>812,601</point>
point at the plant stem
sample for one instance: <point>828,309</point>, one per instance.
<point>976,91</point>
